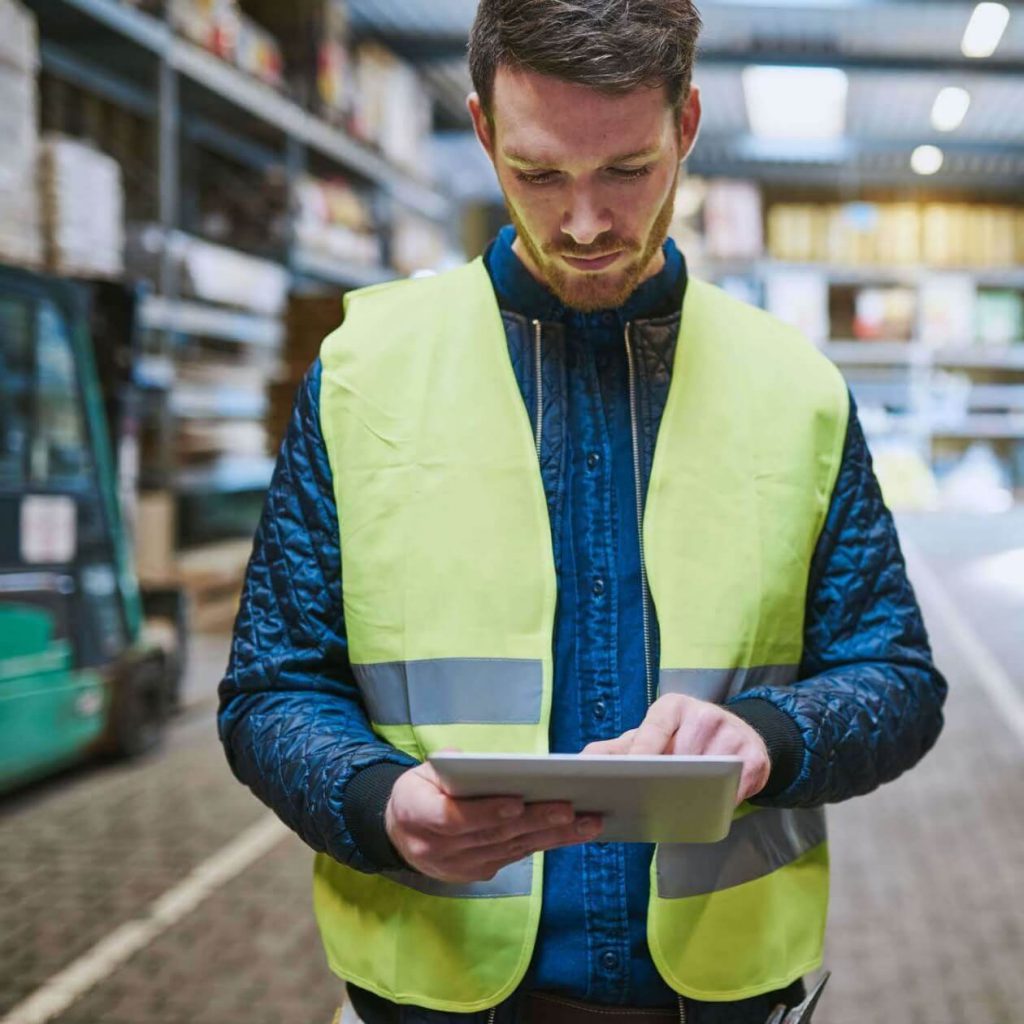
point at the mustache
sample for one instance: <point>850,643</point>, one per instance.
<point>603,247</point>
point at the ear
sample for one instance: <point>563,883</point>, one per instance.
<point>689,122</point>
<point>481,125</point>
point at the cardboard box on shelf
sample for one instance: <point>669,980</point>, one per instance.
<point>733,220</point>
<point>946,309</point>
<point>20,230</point>
<point>19,41</point>
<point>208,272</point>
<point>83,209</point>
<point>335,221</point>
<point>155,528</point>
<point>800,297</point>
<point>884,314</point>
<point>220,27</point>
<point>416,243</point>
<point>314,39</point>
<point>999,317</point>
<point>392,108</point>
<point>905,234</point>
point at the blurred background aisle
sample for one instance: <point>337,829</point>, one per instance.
<point>187,190</point>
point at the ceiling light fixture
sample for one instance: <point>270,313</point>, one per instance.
<point>795,103</point>
<point>926,159</point>
<point>950,108</point>
<point>984,30</point>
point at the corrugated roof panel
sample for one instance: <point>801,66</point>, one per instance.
<point>907,29</point>
<point>429,17</point>
<point>900,106</point>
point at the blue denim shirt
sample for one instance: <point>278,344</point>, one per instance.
<point>592,942</point>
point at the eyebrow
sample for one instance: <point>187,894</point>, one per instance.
<point>528,161</point>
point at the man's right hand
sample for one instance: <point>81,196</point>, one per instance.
<point>470,840</point>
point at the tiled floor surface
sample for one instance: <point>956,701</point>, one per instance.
<point>927,922</point>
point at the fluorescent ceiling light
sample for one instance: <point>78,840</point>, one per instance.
<point>926,159</point>
<point>950,108</point>
<point>984,30</point>
<point>795,103</point>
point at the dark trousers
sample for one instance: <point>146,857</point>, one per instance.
<point>374,1010</point>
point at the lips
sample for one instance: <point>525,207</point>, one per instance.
<point>592,264</point>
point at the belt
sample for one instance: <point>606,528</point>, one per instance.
<point>542,1008</point>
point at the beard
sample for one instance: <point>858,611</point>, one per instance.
<point>589,291</point>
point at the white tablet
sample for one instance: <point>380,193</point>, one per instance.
<point>664,799</point>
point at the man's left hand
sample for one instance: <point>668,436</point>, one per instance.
<point>677,724</point>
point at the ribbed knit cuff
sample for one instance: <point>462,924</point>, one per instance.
<point>781,736</point>
<point>365,800</point>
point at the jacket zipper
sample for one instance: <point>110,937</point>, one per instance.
<point>682,1010</point>
<point>634,419</point>
<point>538,387</point>
<point>492,1015</point>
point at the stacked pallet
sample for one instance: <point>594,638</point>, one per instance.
<point>20,238</point>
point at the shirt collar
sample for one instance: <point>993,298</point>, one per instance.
<point>520,292</point>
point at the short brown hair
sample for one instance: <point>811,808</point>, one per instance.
<point>611,45</point>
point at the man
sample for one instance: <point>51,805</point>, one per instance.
<point>567,499</point>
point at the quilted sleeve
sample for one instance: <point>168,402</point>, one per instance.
<point>869,701</point>
<point>290,717</point>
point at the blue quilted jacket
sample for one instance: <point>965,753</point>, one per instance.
<point>868,705</point>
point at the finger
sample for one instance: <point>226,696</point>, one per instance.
<point>754,776</point>
<point>430,808</point>
<point>584,829</point>
<point>536,818</point>
<point>657,730</point>
<point>461,817</point>
<point>619,745</point>
<point>698,731</point>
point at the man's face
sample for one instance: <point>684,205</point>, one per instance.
<point>589,180</point>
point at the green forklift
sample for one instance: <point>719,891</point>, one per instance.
<point>78,678</point>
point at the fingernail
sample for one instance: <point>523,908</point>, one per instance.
<point>510,811</point>
<point>587,826</point>
<point>559,817</point>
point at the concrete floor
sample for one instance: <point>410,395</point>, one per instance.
<point>927,920</point>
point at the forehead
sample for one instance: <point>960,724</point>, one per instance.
<point>548,119</point>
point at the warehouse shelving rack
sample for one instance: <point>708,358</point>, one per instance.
<point>137,62</point>
<point>902,387</point>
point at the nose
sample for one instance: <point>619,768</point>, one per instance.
<point>586,219</point>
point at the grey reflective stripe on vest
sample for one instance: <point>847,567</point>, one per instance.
<point>453,691</point>
<point>719,684</point>
<point>514,880</point>
<point>757,845</point>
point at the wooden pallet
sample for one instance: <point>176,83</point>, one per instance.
<point>212,577</point>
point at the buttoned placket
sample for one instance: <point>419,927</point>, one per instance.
<point>594,387</point>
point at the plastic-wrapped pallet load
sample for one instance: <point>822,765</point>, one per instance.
<point>20,238</point>
<point>83,209</point>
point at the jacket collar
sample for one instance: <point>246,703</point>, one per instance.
<point>519,292</point>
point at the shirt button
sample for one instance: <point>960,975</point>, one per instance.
<point>593,460</point>
<point>610,960</point>
<point>600,710</point>
<point>598,587</point>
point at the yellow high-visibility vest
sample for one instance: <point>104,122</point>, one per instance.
<point>449,594</point>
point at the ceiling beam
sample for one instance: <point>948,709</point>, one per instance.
<point>753,149</point>
<point>423,48</point>
<point>871,62</point>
